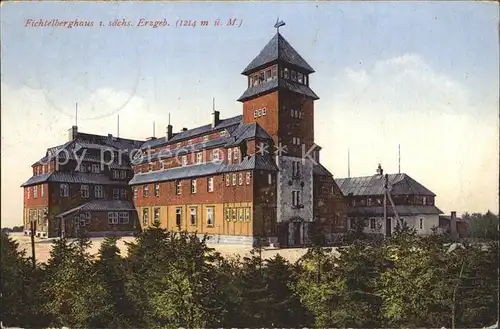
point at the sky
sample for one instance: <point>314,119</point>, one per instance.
<point>422,75</point>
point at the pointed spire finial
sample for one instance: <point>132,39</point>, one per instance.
<point>278,24</point>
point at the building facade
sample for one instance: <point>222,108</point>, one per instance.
<point>82,185</point>
<point>413,203</point>
<point>252,177</point>
<point>248,179</point>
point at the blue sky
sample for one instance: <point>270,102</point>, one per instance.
<point>423,75</point>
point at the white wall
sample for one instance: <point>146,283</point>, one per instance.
<point>429,221</point>
<point>284,198</point>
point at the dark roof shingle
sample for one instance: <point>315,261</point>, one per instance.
<point>277,49</point>
<point>402,184</point>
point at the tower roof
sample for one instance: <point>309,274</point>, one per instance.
<point>278,49</point>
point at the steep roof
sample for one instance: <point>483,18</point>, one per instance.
<point>210,168</point>
<point>402,184</point>
<point>227,124</point>
<point>101,205</point>
<point>71,178</point>
<point>277,49</point>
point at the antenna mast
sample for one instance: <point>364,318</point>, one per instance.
<point>118,126</point>
<point>348,164</point>
<point>399,158</point>
<point>154,129</point>
<point>76,114</point>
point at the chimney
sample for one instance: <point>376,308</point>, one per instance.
<point>453,224</point>
<point>72,133</point>
<point>169,132</point>
<point>215,119</point>
<point>184,129</point>
<point>380,171</point>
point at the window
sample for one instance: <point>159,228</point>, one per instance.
<point>123,194</point>
<point>210,216</point>
<point>145,216</point>
<point>240,179</point>
<point>179,145</point>
<point>192,216</point>
<point>35,192</point>
<point>236,152</point>
<point>293,75</point>
<point>273,72</point>
<point>421,223</point>
<point>115,174</point>
<point>295,168</point>
<point>223,133</point>
<point>300,77</point>
<point>112,218</point>
<point>178,187</point>
<point>241,214</point>
<point>234,179</point>
<point>261,77</point>
<point>248,177</point>
<point>369,202</point>
<point>29,192</point>
<point>99,193</point>
<point>86,217</point>
<point>210,184</point>
<point>305,79</point>
<point>84,191</point>
<point>116,194</point>
<point>199,157</point>
<point>64,190</point>
<point>123,217</point>
<point>41,191</point>
<point>135,192</point>
<point>228,213</point>
<point>95,168</point>
<point>145,191</point>
<point>215,155</point>
<point>157,190</point>
<point>82,220</point>
<point>373,223</point>
<point>178,217</point>
<point>205,138</point>
<point>267,75</point>
<point>296,198</point>
<point>193,185</point>
<point>269,179</point>
<point>228,181</point>
<point>123,174</point>
<point>156,215</point>
<point>424,201</point>
<point>229,155</point>
<point>264,110</point>
<point>233,214</point>
<point>296,140</point>
<point>247,214</point>
<point>285,71</point>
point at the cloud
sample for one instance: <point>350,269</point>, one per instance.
<point>445,144</point>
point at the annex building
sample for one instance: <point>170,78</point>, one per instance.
<point>255,176</point>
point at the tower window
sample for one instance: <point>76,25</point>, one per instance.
<point>268,75</point>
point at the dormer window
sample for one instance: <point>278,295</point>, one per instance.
<point>273,72</point>
<point>205,138</point>
<point>285,72</point>
<point>261,77</point>
<point>305,79</point>
<point>294,75</point>
<point>268,75</point>
<point>223,133</point>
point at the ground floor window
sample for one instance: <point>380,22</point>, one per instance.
<point>210,216</point>
<point>123,217</point>
<point>145,216</point>
<point>112,217</point>
<point>178,216</point>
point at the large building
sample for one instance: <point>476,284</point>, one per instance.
<point>413,203</point>
<point>252,177</point>
<point>256,175</point>
<point>82,185</point>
